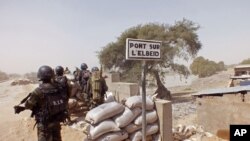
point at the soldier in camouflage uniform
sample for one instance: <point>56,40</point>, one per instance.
<point>63,82</point>
<point>97,87</point>
<point>82,79</point>
<point>48,105</point>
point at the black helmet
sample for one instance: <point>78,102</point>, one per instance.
<point>45,73</point>
<point>84,66</point>
<point>94,69</point>
<point>59,70</point>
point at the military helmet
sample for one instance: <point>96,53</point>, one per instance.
<point>59,70</point>
<point>94,69</point>
<point>45,73</point>
<point>84,66</point>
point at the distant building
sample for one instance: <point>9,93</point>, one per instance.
<point>242,70</point>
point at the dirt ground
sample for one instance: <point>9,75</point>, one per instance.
<point>19,127</point>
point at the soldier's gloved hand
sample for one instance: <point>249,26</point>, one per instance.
<point>18,109</point>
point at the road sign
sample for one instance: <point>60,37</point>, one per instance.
<point>137,49</point>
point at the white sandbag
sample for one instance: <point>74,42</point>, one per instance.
<point>102,128</point>
<point>103,112</point>
<point>114,136</point>
<point>131,128</point>
<point>150,130</point>
<point>136,136</point>
<point>136,101</point>
<point>151,117</point>
<point>126,117</point>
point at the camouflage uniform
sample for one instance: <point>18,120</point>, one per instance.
<point>97,97</point>
<point>47,129</point>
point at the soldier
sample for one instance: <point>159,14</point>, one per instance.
<point>83,78</point>
<point>48,103</point>
<point>63,82</point>
<point>97,87</point>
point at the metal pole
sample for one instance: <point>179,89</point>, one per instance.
<point>143,80</point>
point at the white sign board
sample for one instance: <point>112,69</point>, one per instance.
<point>137,49</point>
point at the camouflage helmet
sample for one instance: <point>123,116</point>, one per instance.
<point>94,69</point>
<point>59,70</point>
<point>84,66</point>
<point>45,73</point>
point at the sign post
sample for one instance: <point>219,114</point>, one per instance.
<point>143,50</point>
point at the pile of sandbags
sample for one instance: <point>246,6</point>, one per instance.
<point>117,122</point>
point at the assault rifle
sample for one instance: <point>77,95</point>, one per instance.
<point>18,108</point>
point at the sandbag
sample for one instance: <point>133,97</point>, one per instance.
<point>136,136</point>
<point>131,128</point>
<point>104,111</point>
<point>150,130</point>
<point>136,101</point>
<point>151,117</point>
<point>114,136</point>
<point>104,127</point>
<point>126,117</point>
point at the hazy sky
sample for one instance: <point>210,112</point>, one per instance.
<point>69,32</point>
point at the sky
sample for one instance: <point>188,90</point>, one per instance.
<point>70,32</point>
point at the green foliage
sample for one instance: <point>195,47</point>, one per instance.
<point>204,67</point>
<point>179,41</point>
<point>246,61</point>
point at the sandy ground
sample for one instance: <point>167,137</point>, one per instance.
<point>19,127</point>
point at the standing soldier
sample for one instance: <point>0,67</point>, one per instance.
<point>83,78</point>
<point>97,87</point>
<point>63,83</point>
<point>48,103</point>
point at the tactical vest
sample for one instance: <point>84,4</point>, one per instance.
<point>54,107</point>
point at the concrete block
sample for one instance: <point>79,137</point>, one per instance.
<point>164,111</point>
<point>115,77</point>
<point>124,90</point>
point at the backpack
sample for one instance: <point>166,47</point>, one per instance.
<point>84,76</point>
<point>54,107</point>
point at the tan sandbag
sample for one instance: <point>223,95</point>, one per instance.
<point>114,136</point>
<point>136,101</point>
<point>126,117</point>
<point>151,117</point>
<point>102,128</point>
<point>150,130</point>
<point>104,111</point>
<point>131,128</point>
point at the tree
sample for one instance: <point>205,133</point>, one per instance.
<point>179,41</point>
<point>246,61</point>
<point>204,67</point>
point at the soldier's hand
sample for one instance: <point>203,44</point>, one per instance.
<point>18,109</point>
